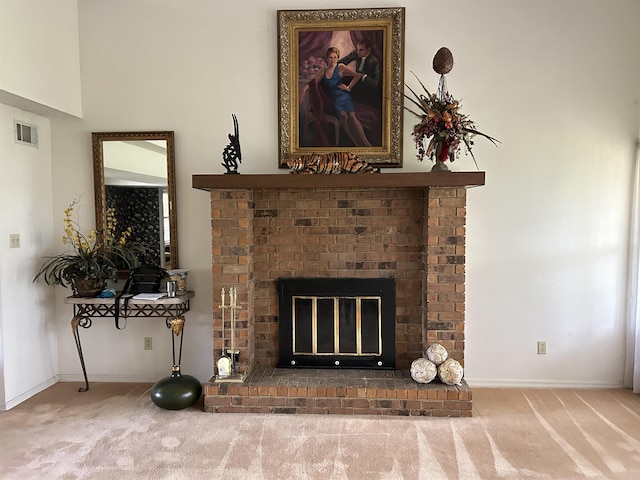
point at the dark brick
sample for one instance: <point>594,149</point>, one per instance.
<point>455,259</point>
<point>361,212</point>
<point>387,265</point>
<point>283,410</point>
<point>265,213</point>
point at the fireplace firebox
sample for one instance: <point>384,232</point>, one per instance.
<point>337,322</point>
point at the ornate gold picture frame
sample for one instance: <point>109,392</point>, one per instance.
<point>341,77</point>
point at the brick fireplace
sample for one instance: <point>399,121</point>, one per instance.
<point>406,226</point>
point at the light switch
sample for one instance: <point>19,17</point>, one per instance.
<point>14,240</point>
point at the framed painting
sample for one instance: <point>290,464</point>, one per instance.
<point>340,81</point>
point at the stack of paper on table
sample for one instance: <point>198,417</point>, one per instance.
<point>148,296</point>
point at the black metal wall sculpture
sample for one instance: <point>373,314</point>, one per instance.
<point>231,154</point>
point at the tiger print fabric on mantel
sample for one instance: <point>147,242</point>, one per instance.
<point>329,163</point>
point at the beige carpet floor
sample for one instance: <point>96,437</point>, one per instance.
<point>114,431</point>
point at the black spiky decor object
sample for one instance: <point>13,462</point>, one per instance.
<point>231,155</point>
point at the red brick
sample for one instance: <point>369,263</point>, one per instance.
<point>355,402</point>
<point>327,402</point>
<point>272,401</point>
<point>340,411</point>
<point>366,411</point>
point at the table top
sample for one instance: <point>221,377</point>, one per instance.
<point>178,299</point>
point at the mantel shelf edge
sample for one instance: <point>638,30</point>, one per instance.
<point>210,182</point>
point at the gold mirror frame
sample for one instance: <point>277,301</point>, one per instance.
<point>98,139</point>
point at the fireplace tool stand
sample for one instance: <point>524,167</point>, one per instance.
<point>228,361</point>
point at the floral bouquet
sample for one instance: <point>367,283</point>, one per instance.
<point>311,66</point>
<point>442,127</point>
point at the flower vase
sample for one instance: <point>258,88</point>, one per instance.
<point>442,155</point>
<point>88,287</point>
<point>176,391</point>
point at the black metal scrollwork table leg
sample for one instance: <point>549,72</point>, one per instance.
<point>84,322</point>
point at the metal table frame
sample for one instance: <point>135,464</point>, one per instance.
<point>86,309</point>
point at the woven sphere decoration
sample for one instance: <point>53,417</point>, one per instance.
<point>437,353</point>
<point>443,61</point>
<point>423,370</point>
<point>450,372</point>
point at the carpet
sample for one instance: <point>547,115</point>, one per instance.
<point>115,432</point>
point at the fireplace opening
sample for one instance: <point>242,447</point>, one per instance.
<point>337,322</point>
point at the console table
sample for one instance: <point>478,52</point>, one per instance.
<point>86,309</point>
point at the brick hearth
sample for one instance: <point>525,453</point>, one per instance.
<point>407,226</point>
<point>323,391</point>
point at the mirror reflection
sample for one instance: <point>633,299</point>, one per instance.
<point>134,174</point>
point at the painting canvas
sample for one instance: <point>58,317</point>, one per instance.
<point>340,72</point>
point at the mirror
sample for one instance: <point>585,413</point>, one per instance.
<point>134,172</point>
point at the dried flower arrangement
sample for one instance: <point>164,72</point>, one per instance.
<point>442,127</point>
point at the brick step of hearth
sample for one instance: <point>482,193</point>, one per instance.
<point>336,391</point>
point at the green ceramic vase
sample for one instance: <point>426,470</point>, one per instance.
<point>176,391</point>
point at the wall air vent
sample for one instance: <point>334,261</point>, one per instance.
<point>25,133</point>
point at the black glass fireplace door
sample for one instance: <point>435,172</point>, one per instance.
<point>337,322</point>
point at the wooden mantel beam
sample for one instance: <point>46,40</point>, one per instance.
<point>283,181</point>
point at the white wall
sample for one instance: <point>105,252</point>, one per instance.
<point>548,233</point>
<point>556,82</point>
<point>28,350</point>
<point>39,73</point>
<point>39,41</point>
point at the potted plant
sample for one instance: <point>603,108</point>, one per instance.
<point>90,259</point>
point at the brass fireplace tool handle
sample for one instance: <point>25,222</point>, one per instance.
<point>227,365</point>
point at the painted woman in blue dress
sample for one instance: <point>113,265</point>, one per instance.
<point>331,79</point>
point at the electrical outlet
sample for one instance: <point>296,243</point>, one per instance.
<point>148,343</point>
<point>542,348</point>
<point>14,240</point>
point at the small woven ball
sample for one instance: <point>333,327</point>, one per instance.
<point>450,372</point>
<point>437,353</point>
<point>423,371</point>
<point>443,61</point>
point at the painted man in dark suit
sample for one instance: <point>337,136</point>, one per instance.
<point>367,92</point>
<point>367,64</point>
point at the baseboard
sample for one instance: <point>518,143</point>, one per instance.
<point>28,394</point>
<point>123,378</point>
<point>520,383</point>
<point>472,382</point>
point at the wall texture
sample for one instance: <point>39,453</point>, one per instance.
<point>546,236</point>
<point>28,349</point>
<point>40,55</point>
